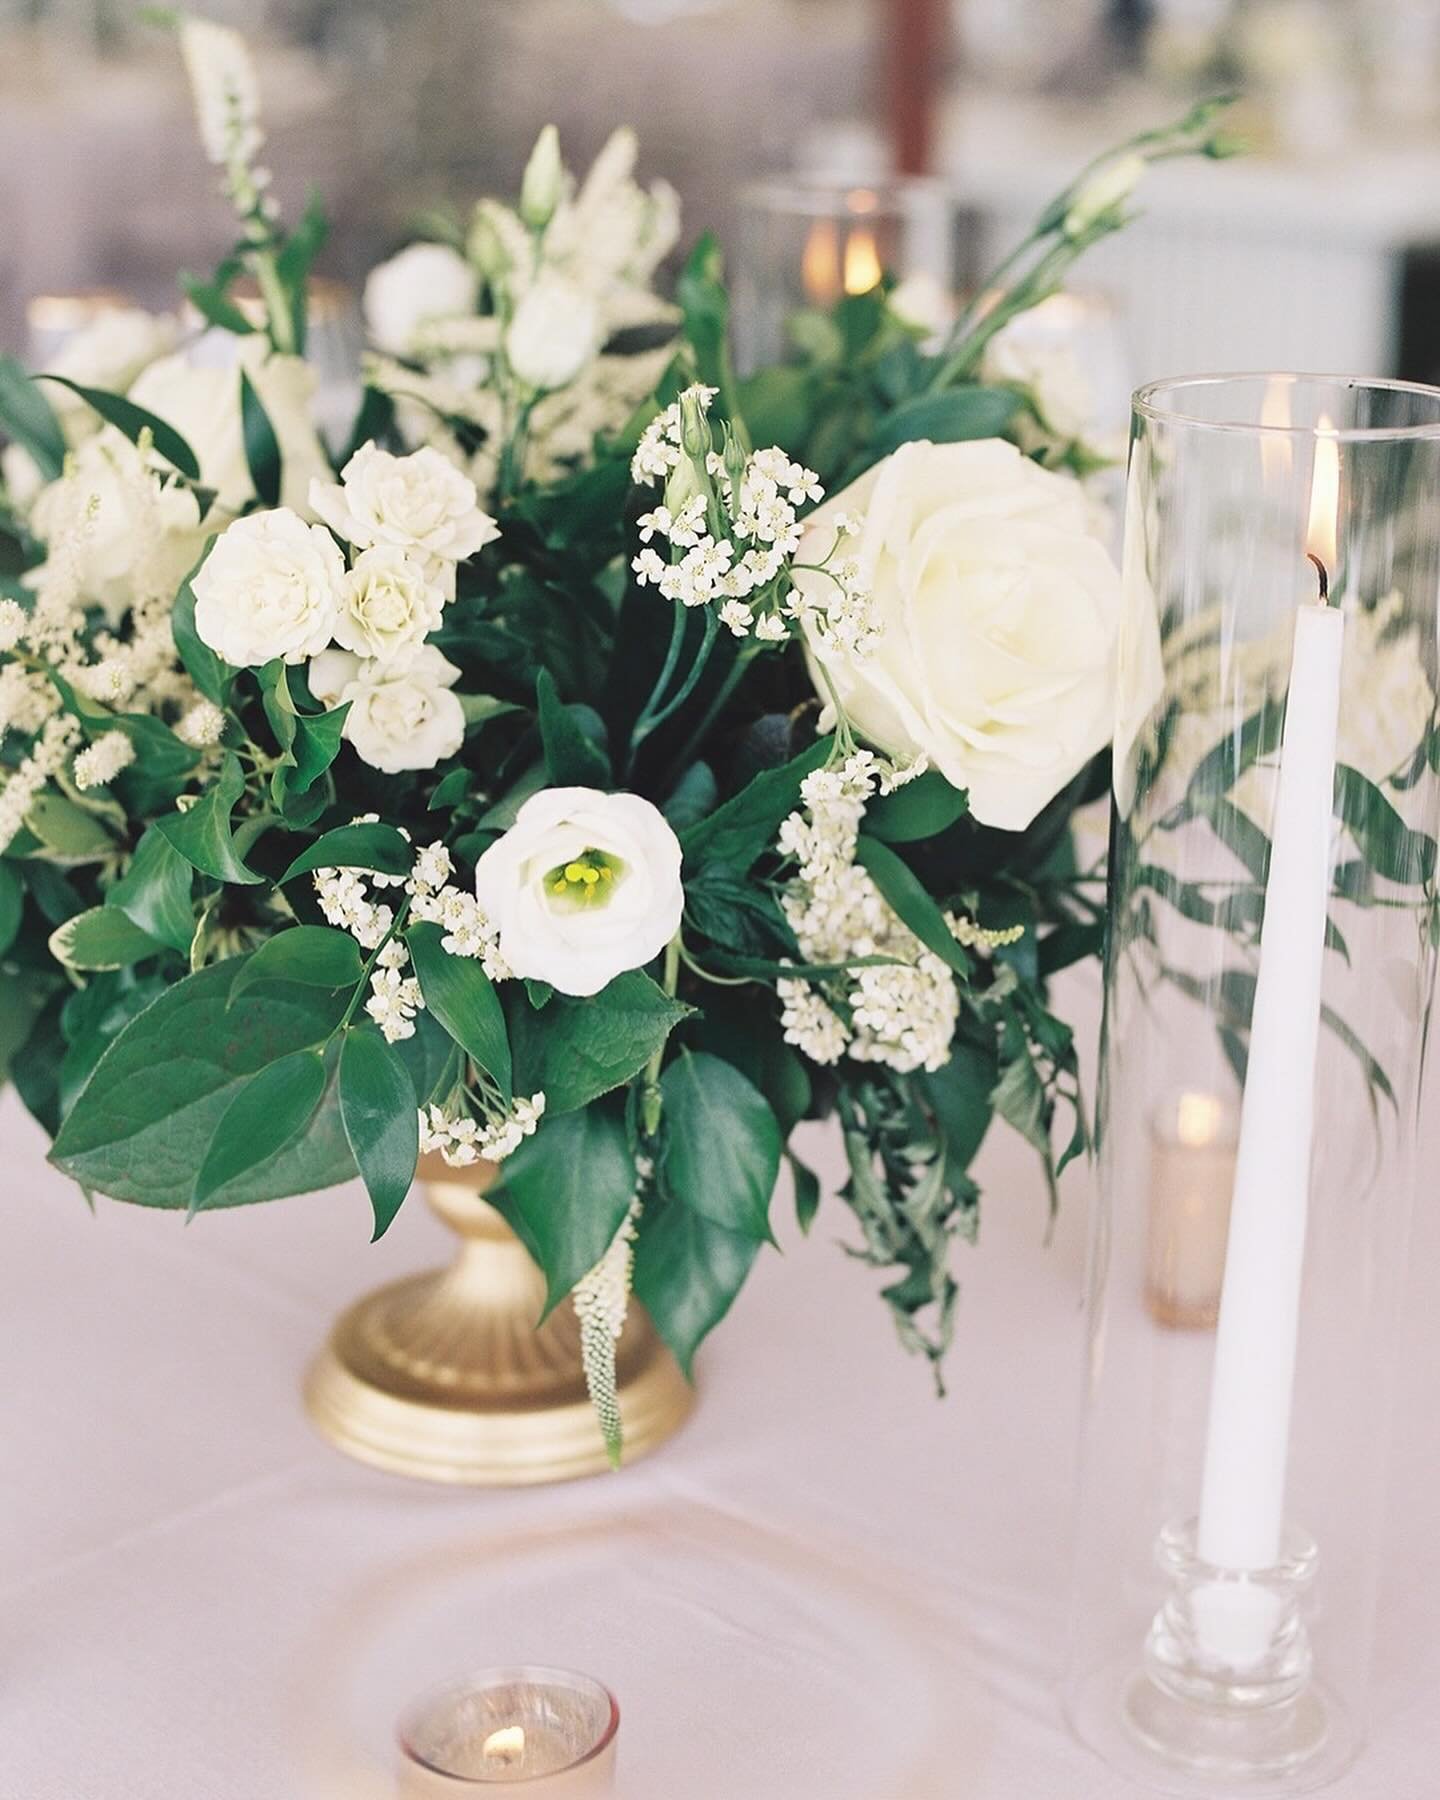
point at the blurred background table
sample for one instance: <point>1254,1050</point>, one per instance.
<point>830,1586</point>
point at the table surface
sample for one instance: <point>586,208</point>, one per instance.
<point>830,1586</point>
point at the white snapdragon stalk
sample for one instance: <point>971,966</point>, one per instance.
<point>271,586</point>
<point>402,714</point>
<point>418,502</point>
<point>583,886</point>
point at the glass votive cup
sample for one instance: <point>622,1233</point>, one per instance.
<point>550,1732</point>
<point>1192,1173</point>
<point>52,320</point>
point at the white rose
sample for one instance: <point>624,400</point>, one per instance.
<point>106,504</point>
<point>389,606</point>
<point>203,404</point>
<point>400,717</point>
<point>1110,186</point>
<point>555,332</point>
<point>923,303</point>
<point>583,886</point>
<point>1027,354</point>
<point>998,612</point>
<point>271,586</point>
<point>422,283</point>
<point>418,502</point>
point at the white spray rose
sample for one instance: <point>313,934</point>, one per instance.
<point>555,332</point>
<point>419,502</point>
<point>1110,186</point>
<point>1028,354</point>
<point>271,586</point>
<point>583,886</point>
<point>203,404</point>
<point>997,612</point>
<point>389,606</point>
<point>424,282</point>
<point>401,717</point>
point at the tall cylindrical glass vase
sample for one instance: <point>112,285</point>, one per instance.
<point>1269,974</point>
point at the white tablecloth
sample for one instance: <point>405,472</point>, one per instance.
<point>829,1587</point>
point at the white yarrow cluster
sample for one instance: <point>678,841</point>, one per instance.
<point>902,1013</point>
<point>462,1139</point>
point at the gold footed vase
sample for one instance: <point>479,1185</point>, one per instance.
<point>447,1377</point>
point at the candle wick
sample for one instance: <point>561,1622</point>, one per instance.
<point>1324,575</point>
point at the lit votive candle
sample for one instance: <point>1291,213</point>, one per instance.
<point>549,1730</point>
<point>1192,1176</point>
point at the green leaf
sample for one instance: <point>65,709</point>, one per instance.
<point>745,826</point>
<point>202,835</point>
<point>373,846</point>
<point>807,1192</point>
<point>687,1274</point>
<point>450,792</point>
<point>959,1093</point>
<point>722,1144</point>
<point>269,1112</point>
<point>317,744</point>
<point>162,764</point>
<point>480,709</point>
<point>922,808</point>
<point>700,294</point>
<point>904,892</point>
<point>462,997</point>
<point>693,797</point>
<point>1220,768</point>
<point>378,1109</point>
<point>126,416</point>
<point>72,832</point>
<point>567,1190</point>
<point>1386,842</point>
<point>154,892</point>
<point>572,757</point>
<point>12,904</point>
<point>102,938</point>
<point>210,673</point>
<point>262,447</point>
<point>311,955</point>
<point>434,1060</point>
<point>143,1122</point>
<point>27,417</point>
<point>212,303</point>
<point>576,1050</point>
<point>947,418</point>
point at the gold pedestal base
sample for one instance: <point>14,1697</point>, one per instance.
<point>445,1376</point>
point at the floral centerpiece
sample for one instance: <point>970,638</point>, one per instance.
<point>598,766</point>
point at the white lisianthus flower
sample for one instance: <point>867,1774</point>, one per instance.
<point>389,606</point>
<point>996,611</point>
<point>419,502</point>
<point>401,717</point>
<point>583,886</point>
<point>203,404</point>
<point>271,586</point>
<point>102,507</point>
<point>554,334</point>
<point>1110,186</point>
<point>422,283</point>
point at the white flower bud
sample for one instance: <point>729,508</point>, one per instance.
<point>544,177</point>
<point>555,332</point>
<point>1110,186</point>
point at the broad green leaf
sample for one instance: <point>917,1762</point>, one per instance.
<point>1220,768</point>
<point>1019,1098</point>
<point>28,419</point>
<point>162,765</point>
<point>435,1061</point>
<point>920,809</point>
<point>312,955</point>
<point>480,709</point>
<point>269,1112</point>
<point>807,1192</point>
<point>572,757</point>
<point>575,1050</point>
<point>904,892</point>
<point>12,904</point>
<point>262,447</point>
<point>741,916</point>
<point>210,673</point>
<point>72,832</point>
<point>959,1093</point>
<point>144,1120</point>
<point>126,416</point>
<point>94,1016</point>
<point>450,791</point>
<point>1387,843</point>
<point>745,826</point>
<point>734,1029</point>
<point>721,1147</point>
<point>212,303</point>
<point>374,846</point>
<point>462,997</point>
<point>567,1190</point>
<point>154,892</point>
<point>947,418</point>
<point>378,1109</point>
<point>102,938</point>
<point>317,744</point>
<point>687,1274</point>
<point>202,835</point>
<point>23,997</point>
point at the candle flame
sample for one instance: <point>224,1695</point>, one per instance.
<point>820,264</point>
<point>1197,1120</point>
<point>862,261</point>
<point>1322,535</point>
<point>507,1745</point>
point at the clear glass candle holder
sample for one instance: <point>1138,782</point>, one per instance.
<point>804,243</point>
<point>1269,977</point>
<point>546,1732</point>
